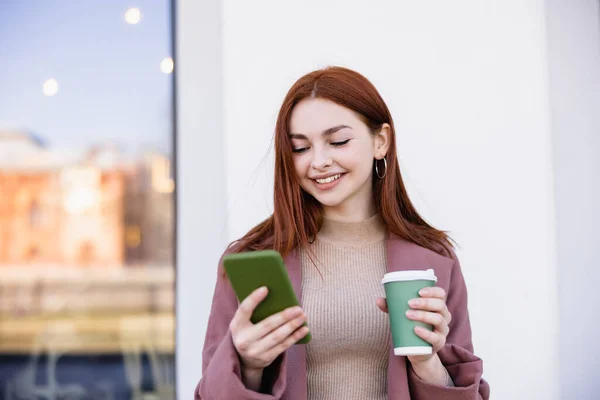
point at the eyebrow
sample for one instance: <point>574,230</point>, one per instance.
<point>326,132</point>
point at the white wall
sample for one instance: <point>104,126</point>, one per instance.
<point>467,84</point>
<point>201,196</point>
<point>574,55</point>
<point>469,98</point>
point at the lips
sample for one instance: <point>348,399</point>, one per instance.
<point>327,182</point>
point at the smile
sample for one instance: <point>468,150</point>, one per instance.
<point>329,179</point>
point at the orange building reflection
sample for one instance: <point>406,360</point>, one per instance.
<point>61,209</point>
<point>86,243</point>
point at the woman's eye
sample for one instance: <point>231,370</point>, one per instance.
<point>337,144</point>
<point>300,150</point>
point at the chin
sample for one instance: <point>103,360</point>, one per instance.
<point>329,201</point>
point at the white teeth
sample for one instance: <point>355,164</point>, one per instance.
<point>330,179</point>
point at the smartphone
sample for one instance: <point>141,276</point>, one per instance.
<point>248,271</point>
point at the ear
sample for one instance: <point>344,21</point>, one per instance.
<point>381,142</point>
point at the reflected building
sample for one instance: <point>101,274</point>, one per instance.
<point>59,208</point>
<point>89,208</point>
<point>149,212</point>
<point>64,211</point>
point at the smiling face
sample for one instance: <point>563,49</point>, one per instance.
<point>334,152</point>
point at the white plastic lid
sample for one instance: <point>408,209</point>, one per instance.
<point>413,275</point>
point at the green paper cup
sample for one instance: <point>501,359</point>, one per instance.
<point>400,287</point>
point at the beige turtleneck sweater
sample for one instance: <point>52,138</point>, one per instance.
<point>348,355</point>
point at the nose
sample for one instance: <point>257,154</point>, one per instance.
<point>321,159</point>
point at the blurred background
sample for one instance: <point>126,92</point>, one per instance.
<point>135,143</point>
<point>86,200</point>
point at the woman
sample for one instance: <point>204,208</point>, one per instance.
<point>342,219</point>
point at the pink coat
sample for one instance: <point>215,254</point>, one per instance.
<point>221,375</point>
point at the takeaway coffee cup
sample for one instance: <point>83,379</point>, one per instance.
<point>400,287</point>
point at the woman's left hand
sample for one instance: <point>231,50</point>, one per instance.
<point>431,309</point>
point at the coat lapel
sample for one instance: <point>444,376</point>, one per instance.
<point>296,387</point>
<point>403,255</point>
<point>397,260</point>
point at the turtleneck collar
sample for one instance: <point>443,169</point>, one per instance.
<point>368,231</point>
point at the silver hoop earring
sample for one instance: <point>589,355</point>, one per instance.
<point>384,168</point>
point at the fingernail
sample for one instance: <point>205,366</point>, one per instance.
<point>263,289</point>
<point>413,302</point>
<point>410,313</point>
<point>423,292</point>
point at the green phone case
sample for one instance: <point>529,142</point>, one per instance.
<point>248,271</point>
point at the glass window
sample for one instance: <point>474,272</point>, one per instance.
<point>86,200</point>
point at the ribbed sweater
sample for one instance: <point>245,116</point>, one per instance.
<point>348,355</point>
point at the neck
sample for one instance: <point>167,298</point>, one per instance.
<point>367,231</point>
<point>352,210</point>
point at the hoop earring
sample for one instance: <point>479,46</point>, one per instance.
<point>384,168</point>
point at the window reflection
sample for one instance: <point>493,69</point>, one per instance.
<point>86,201</point>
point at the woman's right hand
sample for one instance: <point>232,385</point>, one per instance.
<point>258,345</point>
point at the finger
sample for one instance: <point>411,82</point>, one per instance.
<point>436,292</point>
<point>274,352</point>
<point>247,307</point>
<point>437,320</point>
<point>431,318</point>
<point>428,304</point>
<point>281,334</point>
<point>431,304</point>
<point>273,322</point>
<point>382,304</point>
<point>248,336</point>
<point>437,340</point>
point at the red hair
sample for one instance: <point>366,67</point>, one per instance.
<point>298,216</point>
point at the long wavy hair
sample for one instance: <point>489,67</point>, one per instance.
<point>298,216</point>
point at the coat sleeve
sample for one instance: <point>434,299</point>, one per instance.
<point>221,368</point>
<point>464,367</point>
